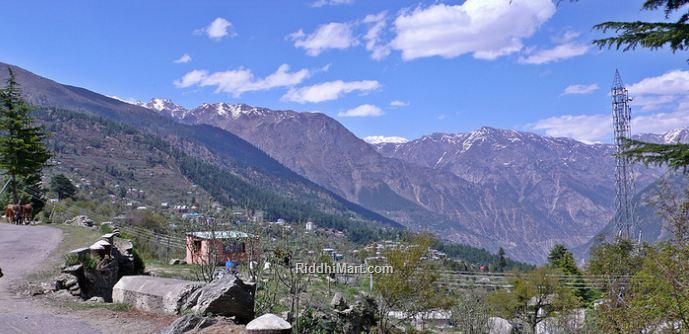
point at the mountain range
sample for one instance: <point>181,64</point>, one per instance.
<point>486,188</point>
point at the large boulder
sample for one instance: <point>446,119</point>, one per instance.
<point>99,281</point>
<point>338,302</point>
<point>225,296</point>
<point>269,324</point>
<point>154,294</point>
<point>499,326</point>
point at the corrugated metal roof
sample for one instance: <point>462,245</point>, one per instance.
<point>221,235</point>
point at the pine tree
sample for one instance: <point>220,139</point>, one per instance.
<point>502,261</point>
<point>62,186</point>
<point>561,258</point>
<point>651,35</point>
<point>22,151</point>
<point>675,156</point>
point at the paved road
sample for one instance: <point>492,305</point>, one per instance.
<point>22,250</point>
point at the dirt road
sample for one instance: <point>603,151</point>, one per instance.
<point>24,249</point>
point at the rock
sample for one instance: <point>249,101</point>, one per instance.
<point>174,262</point>
<point>154,294</point>
<point>188,323</point>
<point>226,296</point>
<point>499,326</point>
<point>100,280</point>
<point>269,324</point>
<point>80,220</point>
<point>66,281</point>
<point>338,302</point>
<point>39,289</point>
<point>125,246</point>
<point>96,300</point>
<point>73,270</point>
<point>64,294</point>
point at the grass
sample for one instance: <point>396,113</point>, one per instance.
<point>72,237</point>
<point>78,306</point>
<point>170,271</point>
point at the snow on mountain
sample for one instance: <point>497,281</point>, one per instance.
<point>670,137</point>
<point>385,139</point>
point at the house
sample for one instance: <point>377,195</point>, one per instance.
<point>309,226</point>
<point>202,247</point>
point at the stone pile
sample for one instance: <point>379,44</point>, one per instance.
<point>80,220</point>
<point>97,269</point>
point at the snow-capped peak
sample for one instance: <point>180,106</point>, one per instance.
<point>385,140</point>
<point>166,107</point>
<point>229,110</point>
<point>676,135</point>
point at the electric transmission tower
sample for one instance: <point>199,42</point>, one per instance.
<point>625,215</point>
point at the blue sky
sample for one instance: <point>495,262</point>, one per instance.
<point>451,66</point>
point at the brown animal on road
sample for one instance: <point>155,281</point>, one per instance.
<point>27,212</point>
<point>18,213</point>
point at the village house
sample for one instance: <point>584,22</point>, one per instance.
<point>202,247</point>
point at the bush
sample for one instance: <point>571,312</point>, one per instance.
<point>105,229</point>
<point>71,260</point>
<point>89,262</point>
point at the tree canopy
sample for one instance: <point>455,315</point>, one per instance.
<point>22,150</point>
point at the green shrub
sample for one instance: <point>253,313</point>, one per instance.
<point>71,260</point>
<point>105,229</point>
<point>90,262</point>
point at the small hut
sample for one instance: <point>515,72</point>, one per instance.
<point>202,247</point>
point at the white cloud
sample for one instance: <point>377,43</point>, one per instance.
<point>218,29</point>
<point>321,3</point>
<point>647,103</point>
<point>566,37</point>
<point>364,110</point>
<point>670,83</point>
<point>555,54</point>
<point>488,29</point>
<point>661,122</point>
<point>373,37</point>
<point>665,90</point>
<point>242,80</point>
<point>385,139</point>
<point>330,90</point>
<point>185,58</point>
<point>399,104</point>
<point>580,89</point>
<point>597,128</point>
<point>669,91</point>
<point>191,78</point>
<point>585,128</point>
<point>326,36</point>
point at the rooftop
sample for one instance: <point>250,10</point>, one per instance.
<point>220,235</point>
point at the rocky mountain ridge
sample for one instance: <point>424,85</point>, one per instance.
<point>487,188</point>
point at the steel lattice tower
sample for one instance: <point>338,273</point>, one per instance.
<point>625,215</point>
